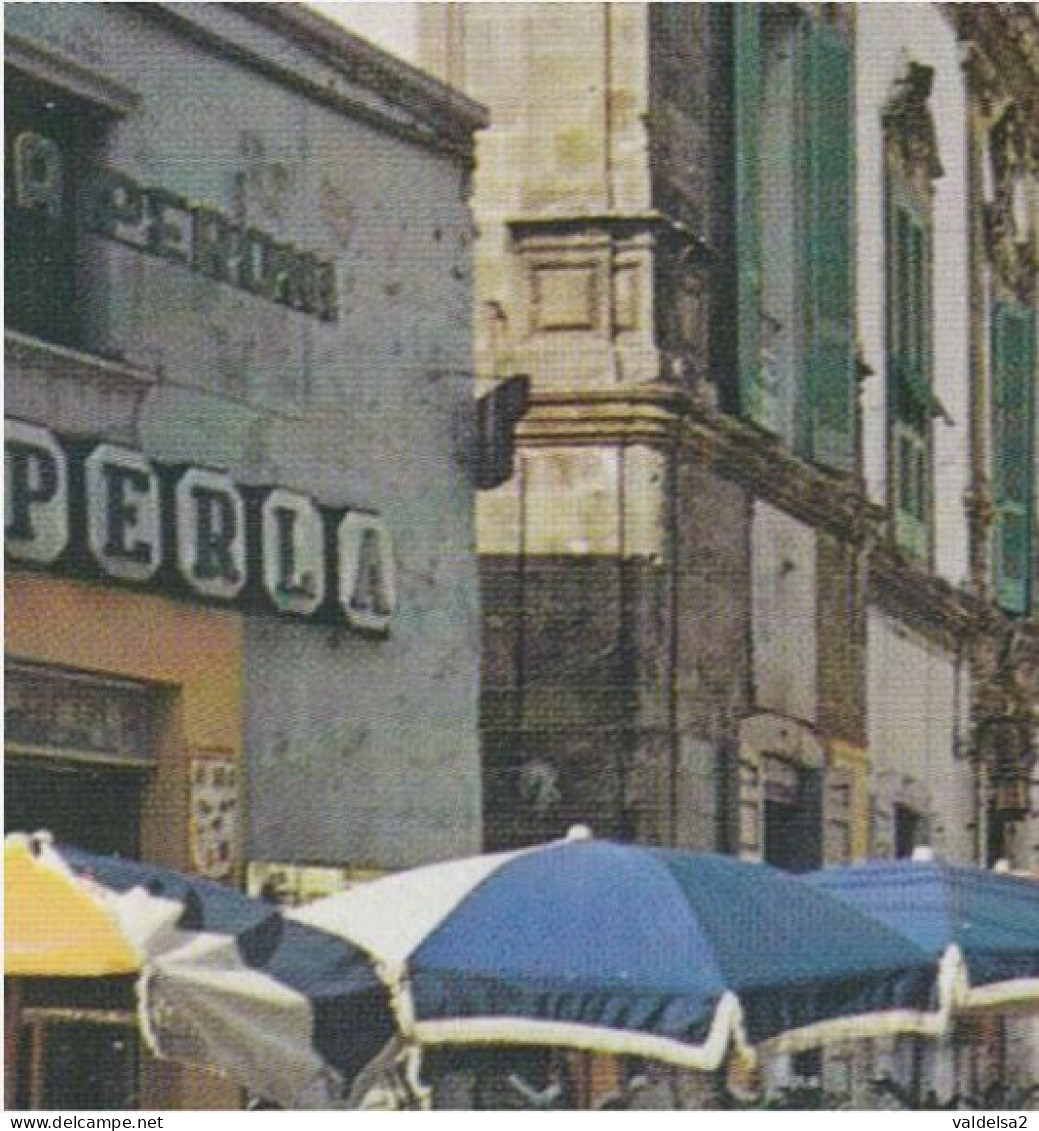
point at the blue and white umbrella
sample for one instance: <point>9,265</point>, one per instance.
<point>983,924</point>
<point>230,983</point>
<point>580,943</point>
<point>631,950</point>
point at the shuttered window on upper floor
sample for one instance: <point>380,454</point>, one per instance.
<point>910,396</point>
<point>794,217</point>
<point>1013,423</point>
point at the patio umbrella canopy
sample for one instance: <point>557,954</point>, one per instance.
<point>631,950</point>
<point>227,982</point>
<point>54,925</point>
<point>584,944</point>
<point>986,924</point>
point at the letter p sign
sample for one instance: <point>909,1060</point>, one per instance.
<point>36,493</point>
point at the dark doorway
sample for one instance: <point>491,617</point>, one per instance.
<point>95,807</point>
<point>793,817</point>
<point>909,831</point>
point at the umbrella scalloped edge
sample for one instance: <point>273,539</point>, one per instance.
<point>1017,992</point>
<point>952,989</point>
<point>725,1026</point>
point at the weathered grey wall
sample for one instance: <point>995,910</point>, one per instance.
<point>917,721</point>
<point>784,613</point>
<point>360,750</point>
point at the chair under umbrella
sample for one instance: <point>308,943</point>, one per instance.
<point>633,950</point>
<point>985,923</point>
<point>226,982</point>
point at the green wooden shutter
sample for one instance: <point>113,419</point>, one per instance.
<point>830,368</point>
<point>913,402</point>
<point>1013,377</point>
<point>747,96</point>
<point>909,315</point>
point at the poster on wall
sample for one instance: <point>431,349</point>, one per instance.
<point>213,821</point>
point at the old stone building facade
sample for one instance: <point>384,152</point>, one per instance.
<point>771,273</point>
<point>764,578</point>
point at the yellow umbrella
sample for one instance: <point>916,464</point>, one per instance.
<point>54,926</point>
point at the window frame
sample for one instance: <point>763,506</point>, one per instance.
<point>54,306</point>
<point>1013,590</point>
<point>909,323</point>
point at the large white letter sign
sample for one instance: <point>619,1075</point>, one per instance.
<point>293,552</point>
<point>36,486</point>
<point>124,528</point>
<point>367,572</point>
<point>210,533</point>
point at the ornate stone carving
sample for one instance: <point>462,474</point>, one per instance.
<point>1006,679</point>
<point>909,126</point>
<point>1001,56</point>
<point>1009,234</point>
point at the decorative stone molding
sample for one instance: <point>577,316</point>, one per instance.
<point>981,513</point>
<point>758,461</point>
<point>1001,50</point>
<point>647,414</point>
<point>583,291</point>
<point>929,604</point>
<point>782,737</point>
<point>52,65</point>
<point>1005,671</point>
<point>59,386</point>
<point>909,128</point>
<point>1010,239</point>
<point>1005,708</point>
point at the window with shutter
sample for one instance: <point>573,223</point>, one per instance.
<point>1013,392</point>
<point>830,351</point>
<point>911,166</point>
<point>793,112</point>
<point>911,398</point>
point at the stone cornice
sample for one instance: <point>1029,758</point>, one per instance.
<point>48,63</point>
<point>603,415</point>
<point>769,470</point>
<point>615,225</point>
<point>665,415</point>
<point>393,78</point>
<point>335,68</point>
<point>837,503</point>
<point>24,353</point>
<point>916,597</point>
